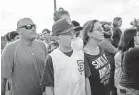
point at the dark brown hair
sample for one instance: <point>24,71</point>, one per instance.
<point>115,21</point>
<point>127,39</point>
<point>88,27</point>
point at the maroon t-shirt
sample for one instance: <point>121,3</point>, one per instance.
<point>100,69</point>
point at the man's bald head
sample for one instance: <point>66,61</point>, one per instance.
<point>24,21</point>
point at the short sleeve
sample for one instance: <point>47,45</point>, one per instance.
<point>48,74</point>
<point>87,69</point>
<point>6,63</point>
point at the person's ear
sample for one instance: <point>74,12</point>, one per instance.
<point>56,38</point>
<point>89,34</point>
<point>18,31</point>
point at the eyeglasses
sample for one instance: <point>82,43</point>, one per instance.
<point>29,27</point>
<point>99,29</point>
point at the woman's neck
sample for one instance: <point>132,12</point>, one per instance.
<point>92,47</point>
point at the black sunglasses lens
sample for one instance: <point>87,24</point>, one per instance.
<point>28,27</point>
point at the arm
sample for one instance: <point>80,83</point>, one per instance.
<point>87,87</point>
<point>47,80</point>
<point>87,75</point>
<point>108,47</point>
<point>3,86</point>
<point>6,68</point>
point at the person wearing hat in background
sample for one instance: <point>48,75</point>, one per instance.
<point>61,13</point>
<point>66,72</point>
<point>23,61</point>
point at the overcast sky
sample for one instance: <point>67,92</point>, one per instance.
<point>41,11</point>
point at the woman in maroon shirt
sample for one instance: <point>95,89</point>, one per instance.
<point>129,83</point>
<point>96,59</point>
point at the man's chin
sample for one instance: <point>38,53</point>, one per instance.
<point>33,38</point>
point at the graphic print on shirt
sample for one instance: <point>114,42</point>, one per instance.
<point>103,66</point>
<point>80,64</point>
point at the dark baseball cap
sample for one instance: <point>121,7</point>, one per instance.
<point>64,26</point>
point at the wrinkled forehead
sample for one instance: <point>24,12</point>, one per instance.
<point>24,21</point>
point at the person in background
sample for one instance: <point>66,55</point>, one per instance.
<point>117,23</point>
<point>66,72</point>
<point>61,13</point>
<point>14,36</point>
<point>110,51</point>
<point>118,61</point>
<point>46,37</point>
<point>77,24</point>
<point>8,37</point>
<point>53,45</point>
<point>97,60</point>
<point>3,42</point>
<point>22,62</point>
<point>129,81</point>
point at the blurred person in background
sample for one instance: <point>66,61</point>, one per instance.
<point>118,61</point>
<point>97,60</point>
<point>46,37</point>
<point>110,51</point>
<point>117,23</point>
<point>77,24</point>
<point>53,45</point>
<point>3,42</point>
<point>61,13</point>
<point>14,36</point>
<point>129,81</point>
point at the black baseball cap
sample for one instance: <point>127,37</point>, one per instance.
<point>64,26</point>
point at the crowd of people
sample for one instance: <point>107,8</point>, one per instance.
<point>96,59</point>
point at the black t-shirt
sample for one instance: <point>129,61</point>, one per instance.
<point>130,68</point>
<point>116,36</point>
<point>100,69</point>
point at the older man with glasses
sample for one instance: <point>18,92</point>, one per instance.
<point>22,62</point>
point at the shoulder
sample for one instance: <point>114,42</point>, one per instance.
<point>118,55</point>
<point>10,48</point>
<point>39,43</point>
<point>11,45</point>
<point>132,51</point>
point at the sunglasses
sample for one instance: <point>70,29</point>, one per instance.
<point>29,27</point>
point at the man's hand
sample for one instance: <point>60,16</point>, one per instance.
<point>87,86</point>
<point>3,86</point>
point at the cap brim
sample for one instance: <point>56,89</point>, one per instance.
<point>77,29</point>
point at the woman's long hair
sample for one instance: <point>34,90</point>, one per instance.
<point>88,27</point>
<point>126,42</point>
<point>127,39</point>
